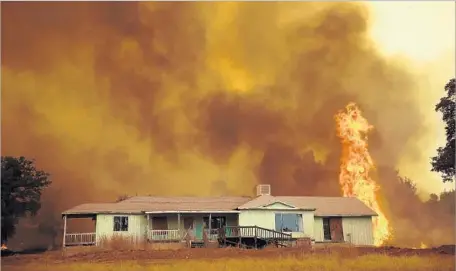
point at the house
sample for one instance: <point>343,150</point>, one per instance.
<point>166,219</point>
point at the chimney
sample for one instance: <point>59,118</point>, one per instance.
<point>263,190</point>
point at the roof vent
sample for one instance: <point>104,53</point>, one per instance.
<point>263,189</point>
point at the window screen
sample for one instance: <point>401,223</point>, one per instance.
<point>121,223</point>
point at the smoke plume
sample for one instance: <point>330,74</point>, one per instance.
<point>194,98</point>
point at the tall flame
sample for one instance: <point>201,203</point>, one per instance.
<point>356,163</point>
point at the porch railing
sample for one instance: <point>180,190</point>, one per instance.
<point>80,239</point>
<point>253,231</point>
<point>175,235</point>
<point>164,235</point>
<point>212,234</point>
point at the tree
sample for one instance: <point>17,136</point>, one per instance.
<point>445,159</point>
<point>22,185</point>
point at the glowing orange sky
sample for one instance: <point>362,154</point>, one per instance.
<point>422,33</point>
<point>266,57</point>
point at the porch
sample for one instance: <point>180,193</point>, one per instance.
<point>80,239</point>
<point>84,238</point>
<point>174,227</point>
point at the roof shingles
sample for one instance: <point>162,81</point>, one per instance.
<point>323,206</point>
<point>168,204</point>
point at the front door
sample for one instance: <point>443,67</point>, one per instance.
<point>335,225</point>
<point>199,230</point>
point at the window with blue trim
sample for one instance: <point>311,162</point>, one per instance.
<point>286,222</point>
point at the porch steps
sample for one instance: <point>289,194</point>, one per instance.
<point>197,244</point>
<point>253,237</point>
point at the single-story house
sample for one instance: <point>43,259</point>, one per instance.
<point>164,219</point>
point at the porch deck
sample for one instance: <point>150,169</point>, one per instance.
<point>178,235</point>
<point>164,235</point>
<point>247,236</point>
<point>80,239</point>
<point>252,237</point>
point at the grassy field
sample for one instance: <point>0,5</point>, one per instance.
<point>310,262</point>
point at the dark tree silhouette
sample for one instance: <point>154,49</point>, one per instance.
<point>445,159</point>
<point>22,185</point>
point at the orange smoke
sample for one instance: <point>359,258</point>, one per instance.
<point>356,163</point>
<point>201,98</point>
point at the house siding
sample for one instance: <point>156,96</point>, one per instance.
<point>318,229</point>
<point>358,230</point>
<point>137,226</point>
<point>266,218</point>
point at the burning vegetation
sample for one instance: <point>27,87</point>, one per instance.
<point>356,163</point>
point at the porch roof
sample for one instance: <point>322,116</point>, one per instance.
<point>195,212</point>
<point>138,205</point>
<point>189,204</point>
<point>105,208</point>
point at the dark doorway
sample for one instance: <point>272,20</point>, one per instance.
<point>326,229</point>
<point>188,223</point>
<point>217,222</point>
<point>332,229</point>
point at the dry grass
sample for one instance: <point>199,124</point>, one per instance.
<point>117,242</point>
<point>307,263</point>
<point>127,242</point>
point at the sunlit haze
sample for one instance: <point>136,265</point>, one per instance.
<point>423,33</point>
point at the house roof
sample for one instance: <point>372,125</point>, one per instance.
<point>323,206</point>
<point>104,208</point>
<point>162,204</point>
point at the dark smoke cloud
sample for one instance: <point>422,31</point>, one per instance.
<point>194,98</point>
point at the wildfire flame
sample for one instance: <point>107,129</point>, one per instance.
<point>356,163</point>
<point>4,247</point>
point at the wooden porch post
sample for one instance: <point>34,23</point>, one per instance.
<point>148,237</point>
<point>179,225</point>
<point>64,230</point>
<point>210,224</point>
<point>256,233</point>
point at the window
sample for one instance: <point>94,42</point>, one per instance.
<point>288,222</point>
<point>326,229</point>
<point>160,223</point>
<point>217,222</point>
<point>121,223</point>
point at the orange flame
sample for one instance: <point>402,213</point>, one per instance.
<point>356,162</point>
<point>4,247</point>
